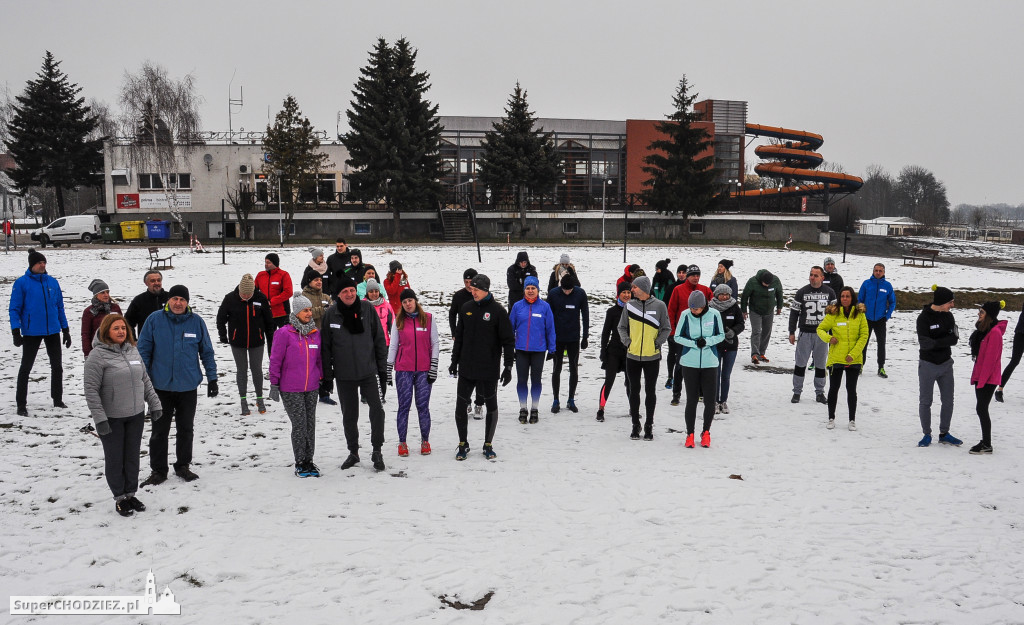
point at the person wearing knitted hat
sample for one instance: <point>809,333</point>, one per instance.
<point>562,268</point>
<point>677,304</point>
<point>732,320</point>
<point>937,333</point>
<point>276,284</point>
<point>37,316</point>
<point>321,301</point>
<point>762,296</point>
<point>674,349</point>
<point>100,306</point>
<point>805,313</point>
<point>662,282</point>
<point>356,268</point>
<point>369,273</point>
<point>515,277</point>
<point>643,329</point>
<point>244,322</point>
<point>987,351</point>
<point>572,331</point>
<point>832,280</point>
<point>699,331</point>
<point>317,268</point>
<point>459,299</point>
<point>386,315</point>
<point>412,366</point>
<point>395,282</point>
<point>723,275</point>
<point>173,343</point>
<point>613,352</point>
<point>295,372</point>
<point>146,303</point>
<point>534,326</point>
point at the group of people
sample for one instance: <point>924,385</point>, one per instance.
<point>346,332</point>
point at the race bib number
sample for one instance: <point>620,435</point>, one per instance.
<point>189,335</point>
<point>336,326</point>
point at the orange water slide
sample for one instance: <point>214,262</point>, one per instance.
<point>797,160</point>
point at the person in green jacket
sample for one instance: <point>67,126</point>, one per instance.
<point>763,296</point>
<point>845,328</point>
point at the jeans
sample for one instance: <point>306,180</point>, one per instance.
<point>725,365</point>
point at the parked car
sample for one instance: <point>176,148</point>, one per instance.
<point>84,228</point>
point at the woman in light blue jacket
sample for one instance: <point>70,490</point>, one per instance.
<point>699,331</point>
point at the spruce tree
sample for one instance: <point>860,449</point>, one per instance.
<point>518,156</point>
<point>49,134</point>
<point>681,182</point>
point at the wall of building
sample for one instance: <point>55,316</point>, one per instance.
<point>640,133</point>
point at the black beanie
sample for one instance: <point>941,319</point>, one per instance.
<point>274,258</point>
<point>625,285</point>
<point>394,266</point>
<point>179,290</point>
<point>469,274</point>
<point>35,257</point>
<point>681,268</point>
<point>692,270</point>
<point>992,309</point>
<point>482,282</point>
<point>567,281</point>
<point>942,295</point>
<point>406,294</point>
<point>725,262</point>
<point>662,264</point>
<point>342,282</point>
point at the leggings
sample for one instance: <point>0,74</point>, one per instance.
<point>1018,351</point>
<point>573,350</point>
<point>529,365</point>
<point>301,409</point>
<point>984,395</point>
<point>411,383</point>
<point>878,327</point>
<point>612,366</point>
<point>248,361</point>
<point>648,371</point>
<point>697,380</point>
<point>835,380</point>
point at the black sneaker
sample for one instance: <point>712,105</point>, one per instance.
<point>489,452</point>
<point>22,411</point>
<point>57,403</point>
<point>981,448</point>
<point>795,399</point>
<point>648,432</point>
<point>300,470</point>
<point>186,474</point>
<point>378,460</point>
<point>600,414</point>
<point>135,504</point>
<point>635,434</point>
<point>463,451</point>
<point>999,396</point>
<point>124,508</point>
<point>571,405</point>
<point>820,398</point>
<point>351,461</point>
<point>154,479</point>
<point>675,400</point>
<point>522,415</point>
<point>312,470</point>
<point>534,415</point>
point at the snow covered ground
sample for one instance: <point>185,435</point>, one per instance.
<point>574,523</point>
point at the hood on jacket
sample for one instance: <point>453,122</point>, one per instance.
<point>521,256</point>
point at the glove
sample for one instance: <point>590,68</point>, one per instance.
<point>18,341</point>
<point>551,356</point>
<point>701,342</point>
<point>103,428</point>
<point>382,381</point>
<point>603,355</point>
<point>730,335</point>
<point>67,337</point>
<point>454,369</point>
<point>211,388</point>
<point>584,343</point>
<point>506,376</point>
<point>275,392</point>
<point>391,375</point>
<point>432,374</point>
<point>155,415</point>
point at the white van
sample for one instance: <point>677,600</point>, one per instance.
<point>84,228</point>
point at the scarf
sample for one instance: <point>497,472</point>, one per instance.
<point>301,328</point>
<point>350,316</point>
<point>377,302</point>
<point>321,268</point>
<point>621,303</point>
<point>721,306</point>
<point>975,342</point>
<point>530,301</point>
<point>100,308</point>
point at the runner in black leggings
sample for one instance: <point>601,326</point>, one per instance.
<point>613,352</point>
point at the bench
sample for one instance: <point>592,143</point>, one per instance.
<point>155,262</point>
<point>920,257</point>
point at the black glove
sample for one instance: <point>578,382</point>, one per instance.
<point>551,356</point>
<point>67,337</point>
<point>18,341</point>
<point>432,373</point>
<point>382,381</point>
<point>701,342</point>
<point>603,355</point>
<point>103,428</point>
<point>211,388</point>
<point>391,375</point>
<point>506,376</point>
<point>275,392</point>
<point>454,369</point>
<point>584,343</point>
<point>730,335</point>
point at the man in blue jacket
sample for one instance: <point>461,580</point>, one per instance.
<point>172,343</point>
<point>37,316</point>
<point>879,298</point>
<point>568,303</point>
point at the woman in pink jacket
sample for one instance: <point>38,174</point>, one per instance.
<point>295,372</point>
<point>987,352</point>
<point>386,315</point>
<point>412,357</point>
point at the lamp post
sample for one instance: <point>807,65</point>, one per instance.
<point>280,214</point>
<point>604,187</point>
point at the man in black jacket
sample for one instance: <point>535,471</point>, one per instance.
<point>613,352</point>
<point>337,264</point>
<point>832,279</point>
<point>568,304</point>
<point>243,321</point>
<point>483,340</point>
<point>147,302</point>
<point>516,276</point>
<point>937,333</point>
<point>461,297</point>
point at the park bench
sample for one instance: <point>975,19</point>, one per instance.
<point>155,262</point>
<point>920,257</point>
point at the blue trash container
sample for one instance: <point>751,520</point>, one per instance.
<point>158,229</point>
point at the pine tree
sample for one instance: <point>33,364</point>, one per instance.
<point>680,182</point>
<point>49,135</point>
<point>518,156</point>
<point>394,137</point>
<point>292,148</point>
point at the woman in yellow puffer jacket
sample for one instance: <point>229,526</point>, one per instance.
<point>845,329</point>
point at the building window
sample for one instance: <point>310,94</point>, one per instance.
<point>570,227</point>
<point>148,182</point>
<point>361,227</point>
<point>634,227</point>
<point>179,181</point>
<point>291,229</point>
<point>504,227</point>
<point>696,227</point>
<point>756,228</point>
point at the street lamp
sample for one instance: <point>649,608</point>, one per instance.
<point>604,187</point>
<point>280,214</point>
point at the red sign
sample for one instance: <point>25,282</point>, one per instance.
<point>127,200</point>
<point>803,205</point>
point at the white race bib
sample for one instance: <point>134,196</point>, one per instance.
<point>570,306</point>
<point>336,326</point>
<point>314,346</point>
<point>135,362</point>
<point>537,315</point>
<point>841,324</point>
<point>189,335</point>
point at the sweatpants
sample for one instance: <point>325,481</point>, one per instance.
<point>835,381</point>
<point>725,365</point>
<point>1018,351</point>
<point>348,397</point>
<point>929,374</point>
<point>572,348</point>
<point>248,361</point>
<point>878,327</point>
<point>760,332</point>
<point>984,397</point>
<point>29,349</point>
<point>612,366</point>
<point>489,390</point>
<point>301,409</point>
<point>697,381</point>
<point>409,383</point>
<point>179,407</point>
<point>648,371</point>
<point>529,366</point>
<point>121,455</point>
<point>809,345</point>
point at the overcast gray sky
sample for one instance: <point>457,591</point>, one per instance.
<point>935,84</point>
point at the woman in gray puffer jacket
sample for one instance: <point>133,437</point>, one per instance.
<point>117,389</point>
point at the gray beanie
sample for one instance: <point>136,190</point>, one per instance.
<point>697,300</point>
<point>828,259</point>
<point>563,259</point>
<point>300,302</point>
<point>722,289</point>
<point>643,283</point>
<point>372,285</point>
<point>316,252</point>
<point>97,286</point>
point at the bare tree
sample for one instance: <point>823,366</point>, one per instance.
<point>6,113</point>
<point>241,200</point>
<point>106,123</point>
<point>160,120</point>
